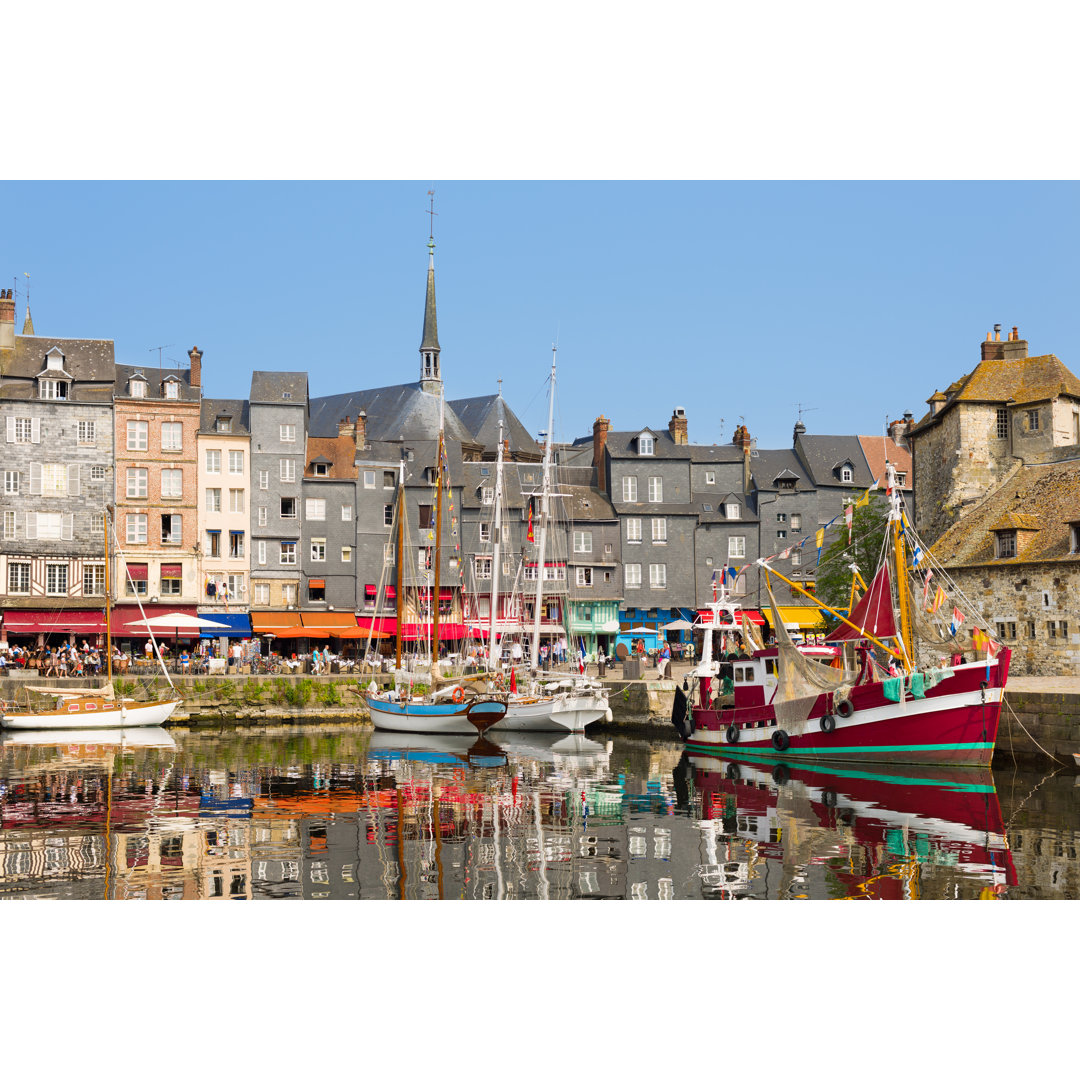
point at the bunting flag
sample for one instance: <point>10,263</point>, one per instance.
<point>786,553</point>
<point>939,599</point>
<point>926,584</point>
<point>581,657</point>
<point>865,500</point>
<point>916,556</point>
<point>820,540</point>
<point>513,680</point>
<point>957,621</point>
<point>714,586</point>
<point>530,534</point>
<point>849,515</point>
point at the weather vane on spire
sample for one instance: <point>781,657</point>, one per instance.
<point>431,214</point>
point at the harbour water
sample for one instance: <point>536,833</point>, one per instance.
<point>343,812</point>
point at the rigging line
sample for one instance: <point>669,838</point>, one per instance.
<point>1029,735</point>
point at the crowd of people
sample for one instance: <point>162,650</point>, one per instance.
<point>57,661</point>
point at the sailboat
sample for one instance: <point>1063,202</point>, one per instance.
<point>838,702</point>
<point>570,704</point>
<point>92,707</point>
<point>456,708</point>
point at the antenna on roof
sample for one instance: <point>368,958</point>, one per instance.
<point>804,408</point>
<point>159,349</point>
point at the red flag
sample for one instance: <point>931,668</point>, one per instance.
<point>849,511</point>
<point>513,681</point>
<point>530,534</point>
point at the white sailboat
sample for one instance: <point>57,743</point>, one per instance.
<point>91,707</point>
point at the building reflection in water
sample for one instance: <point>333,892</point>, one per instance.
<point>344,813</point>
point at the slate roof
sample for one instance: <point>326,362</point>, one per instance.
<point>235,408</point>
<point>155,377</point>
<point>878,449</point>
<point>623,444</point>
<point>824,453</point>
<point>404,409</point>
<point>703,454</point>
<point>586,503</point>
<point>769,464</point>
<point>1046,496</point>
<point>267,388</point>
<point>481,416</point>
<point>90,362</point>
<point>716,515</point>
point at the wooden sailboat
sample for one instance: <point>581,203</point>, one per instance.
<point>91,707</point>
<point>788,704</point>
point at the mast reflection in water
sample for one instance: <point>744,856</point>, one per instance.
<point>344,813</point>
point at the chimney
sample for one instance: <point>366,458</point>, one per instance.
<point>7,319</point>
<point>677,427</point>
<point>360,430</point>
<point>742,439</point>
<point>993,348</point>
<point>1014,348</point>
<point>601,427</point>
<point>344,427</point>
<point>195,356</point>
<point>800,429</point>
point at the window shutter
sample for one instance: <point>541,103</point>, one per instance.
<point>18,516</point>
<point>35,478</point>
<point>67,527</point>
<point>35,429</point>
<point>31,526</point>
<point>11,429</point>
<point>73,479</point>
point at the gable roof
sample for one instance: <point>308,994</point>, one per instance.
<point>235,408</point>
<point>481,416</point>
<point>404,410</point>
<point>267,388</point>
<point>154,377</point>
<point>877,449</point>
<point>823,454</point>
<point>86,359</point>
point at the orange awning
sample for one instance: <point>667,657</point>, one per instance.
<point>328,620</point>
<point>266,622</point>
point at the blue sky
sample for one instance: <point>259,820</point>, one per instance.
<point>734,300</point>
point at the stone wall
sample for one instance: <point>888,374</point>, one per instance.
<point>1051,719</point>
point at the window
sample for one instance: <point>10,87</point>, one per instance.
<point>288,432</point>
<point>629,489</point>
<point>56,578</point>
<point>97,525</point>
<point>318,550</point>
<point>87,432</point>
<point>732,510</point>
<point>423,559</point>
<point>170,586</point>
<point>224,425</point>
<point>213,500</point>
<point>136,388</point>
<point>710,478</point>
<point>346,554</point>
<point>288,507</point>
<point>11,482</point>
<point>136,528</point>
<point>213,543</point>
<point>262,551</point>
<point>93,579</point>
<point>796,558</point>
<point>171,528</point>
<point>901,479</point>
<point>554,573</point>
<point>261,592</point>
<point>645,445</point>
<point>19,578</point>
<point>582,543</point>
<point>48,526</point>
<point>659,530</point>
<point>264,479</point>
<point>781,517</point>
<point>315,509</point>
<point>584,577</point>
<point>1003,423</point>
<point>53,479</point>
<point>1074,539</point>
<point>487,495</point>
<point>657,575</point>
<point>1033,419</point>
<point>796,523</point>
<point>236,500</point>
<point>781,534</point>
<point>656,489</point>
<point>424,516</point>
<point>369,478</point>
<point>172,483</point>
<point>52,390</point>
<point>236,462</point>
<point>346,513</point>
<point>786,484</point>
<point>1006,544</point>
<point>388,479</point>
<point>485,532</point>
<point>632,575</point>
<point>136,586</point>
<point>288,594</point>
<point>213,461</point>
<point>236,585</point>
<point>633,530</point>
<point>172,436</point>
<point>97,472</point>
<point>9,524</point>
<point>388,514</point>
<point>236,544</point>
<point>483,567</point>
<point>288,553</point>
<point>389,554</point>
<point>172,390</point>
<point>264,515</point>
<point>846,474</point>
<point>316,592</point>
<point>287,471</point>
<point>736,547</point>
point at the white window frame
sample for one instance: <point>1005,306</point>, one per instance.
<point>138,435</point>
<point>346,554</point>
<point>710,478</point>
<point>657,575</point>
<point>632,575</point>
<point>582,543</point>
<point>318,549</point>
<point>236,462</point>
<point>485,532</point>
<point>20,571</point>
<point>314,509</point>
<point>646,445</point>
<point>261,592</point>
<point>237,502</point>
<point>262,552</point>
<point>736,547</point>
<point>172,436</point>
<point>633,530</point>
<point>264,479</point>
<point>176,488</point>
<point>12,479</point>
<point>213,462</point>
<point>287,471</point>
<point>287,558</point>
<point>656,489</point>
<point>138,482</point>
<point>482,567</point>
<point>629,489</point>
<point>87,432</point>
<point>287,433</point>
<point>659,530</point>
<point>213,500</point>
<point>584,577</point>
<point>369,478</point>
<point>135,528</point>
<point>346,512</point>
<point>264,515</point>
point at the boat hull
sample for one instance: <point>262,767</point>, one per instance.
<point>570,713</point>
<point>91,716</point>
<point>439,718</point>
<point>956,723</point>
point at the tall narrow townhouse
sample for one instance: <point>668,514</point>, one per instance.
<point>56,427</point>
<point>224,563</point>
<point>157,415</point>
<point>278,415</point>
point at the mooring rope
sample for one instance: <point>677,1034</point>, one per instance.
<point>1030,736</point>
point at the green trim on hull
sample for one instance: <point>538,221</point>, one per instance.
<point>732,748</point>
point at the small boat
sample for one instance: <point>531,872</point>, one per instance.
<point>90,707</point>
<point>861,697</point>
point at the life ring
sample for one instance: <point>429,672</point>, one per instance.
<point>828,723</point>
<point>458,696</point>
<point>732,733</point>
<point>780,739</point>
<point>844,709</point>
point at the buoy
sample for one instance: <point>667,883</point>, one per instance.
<point>458,696</point>
<point>828,724</point>
<point>780,739</point>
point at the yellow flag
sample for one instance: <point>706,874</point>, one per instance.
<point>865,500</point>
<point>820,537</point>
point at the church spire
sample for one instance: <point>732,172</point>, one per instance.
<point>430,374</point>
<point>28,323</point>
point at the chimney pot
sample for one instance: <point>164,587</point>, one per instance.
<point>195,356</point>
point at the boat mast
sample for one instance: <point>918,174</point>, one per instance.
<point>545,494</point>
<point>493,651</point>
<point>900,556</point>
<point>400,597</point>
<point>108,603</point>
<point>438,548</point>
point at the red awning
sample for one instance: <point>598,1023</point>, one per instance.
<point>873,613</point>
<point>135,570</point>
<point>54,622</point>
<point>390,592</point>
<point>369,590</point>
<point>382,625</point>
<point>125,621</point>
<point>754,617</point>
<point>446,594</point>
<point>171,570</point>
<point>422,631</point>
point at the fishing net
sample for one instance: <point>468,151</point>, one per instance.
<point>800,680</point>
<point>929,635</point>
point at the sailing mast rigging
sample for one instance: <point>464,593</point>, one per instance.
<point>494,653</point>
<point>545,506</point>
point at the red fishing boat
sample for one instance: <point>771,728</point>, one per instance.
<point>893,683</point>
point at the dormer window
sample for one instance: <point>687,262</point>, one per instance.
<point>732,510</point>
<point>137,387</point>
<point>847,474</point>
<point>1005,546</point>
<point>901,479</point>
<point>53,389</point>
<point>172,390</point>
<point>224,424</point>
<point>286,395</point>
<point>54,361</point>
<point>320,468</point>
<point>645,445</point>
<point>1074,538</point>
<point>785,485</point>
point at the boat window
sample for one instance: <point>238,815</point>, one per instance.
<point>749,673</point>
<point>738,674</point>
<point>770,666</point>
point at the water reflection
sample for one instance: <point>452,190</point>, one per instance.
<point>346,813</point>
